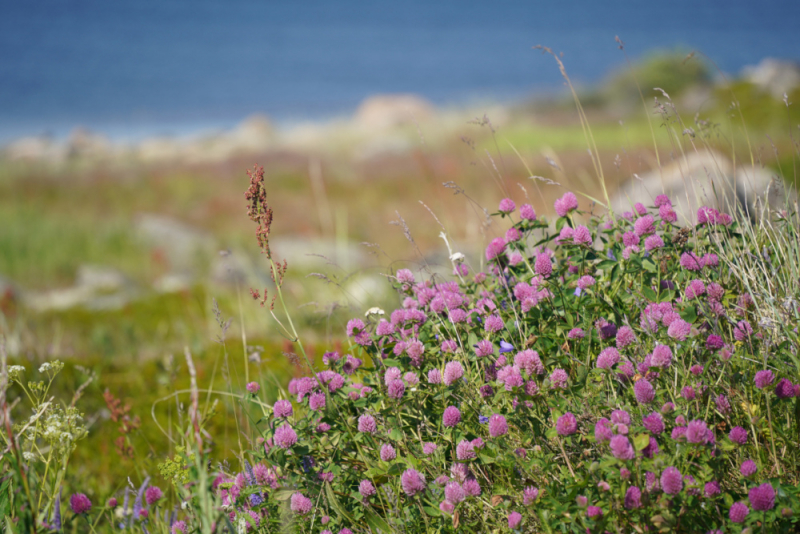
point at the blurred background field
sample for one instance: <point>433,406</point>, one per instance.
<point>121,228</point>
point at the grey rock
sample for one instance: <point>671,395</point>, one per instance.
<point>182,245</point>
<point>384,112</point>
<point>237,269</point>
<point>706,179</point>
<point>95,288</point>
<point>773,75</point>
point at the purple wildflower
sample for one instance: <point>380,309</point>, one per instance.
<point>152,495</point>
<point>764,379</point>
<point>576,333</point>
<point>762,498</point>
<point>633,498</point>
<point>594,511</point>
<point>405,276</point>
<point>465,450</point>
<point>654,423</point>
<point>497,425</point>
<point>285,436</point>
<point>566,425</point>
<point>529,495</point>
<point>621,448</point>
<point>671,481</point>
<point>454,493</point>
<point>495,248</point>
<point>472,487</point>
<point>80,503</point>
<point>514,519</point>
<point>602,430</point>
<point>625,337</point>
<point>507,206</point>
<point>453,371</point>
<point>748,468</point>
<point>723,404</point>
<point>565,204</point>
<point>317,400</point>
<point>738,512</point>
<point>691,262</point>
<point>679,329</point>
<point>712,489</point>
<point>607,358</point>
<point>644,226</point>
<point>653,242</point>
<point>367,424</point>
<point>451,416</point>
<point>582,236</point>
<point>434,376</point>
<point>366,489</point>
<point>484,348</point>
<point>282,408</point>
<point>697,432</point>
<point>543,265</point>
<point>300,504</point>
<point>527,212</point>
<point>738,435</point>
<point>644,392</point>
<point>742,330</point>
<point>387,453</point>
<point>412,481</point>
<point>558,379</point>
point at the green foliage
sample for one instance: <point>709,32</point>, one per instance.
<point>674,72</point>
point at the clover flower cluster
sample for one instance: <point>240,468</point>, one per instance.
<point>619,360</point>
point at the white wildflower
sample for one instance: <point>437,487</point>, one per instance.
<point>45,367</point>
<point>374,311</point>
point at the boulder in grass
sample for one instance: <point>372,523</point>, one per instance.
<point>386,112</point>
<point>706,179</point>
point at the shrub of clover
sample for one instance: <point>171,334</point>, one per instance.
<point>616,377</point>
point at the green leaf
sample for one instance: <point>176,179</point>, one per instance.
<point>472,339</point>
<point>689,314</point>
<point>606,265</point>
<point>667,296</point>
<point>396,434</point>
<point>375,521</point>
<point>651,295</point>
<point>4,503</point>
<point>333,500</point>
<point>649,265</point>
<point>283,494</point>
<point>431,511</point>
<point>641,441</point>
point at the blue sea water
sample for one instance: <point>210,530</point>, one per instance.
<point>132,68</point>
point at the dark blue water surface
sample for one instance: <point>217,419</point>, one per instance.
<point>141,67</point>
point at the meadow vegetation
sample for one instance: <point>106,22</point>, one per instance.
<point>533,363</point>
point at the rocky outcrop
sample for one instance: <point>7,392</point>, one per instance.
<point>385,112</point>
<point>706,179</point>
<point>774,76</point>
<point>179,244</point>
<point>95,288</point>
